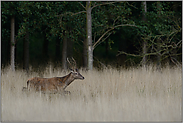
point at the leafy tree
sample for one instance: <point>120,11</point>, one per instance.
<point>160,32</point>
<point>139,35</point>
<point>9,9</point>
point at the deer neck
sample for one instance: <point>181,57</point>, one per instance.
<point>68,80</point>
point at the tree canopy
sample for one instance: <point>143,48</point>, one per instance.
<point>119,30</point>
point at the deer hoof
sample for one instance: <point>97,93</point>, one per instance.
<point>67,92</point>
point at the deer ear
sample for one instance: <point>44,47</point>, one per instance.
<point>76,70</point>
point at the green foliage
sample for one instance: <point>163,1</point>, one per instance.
<point>60,19</point>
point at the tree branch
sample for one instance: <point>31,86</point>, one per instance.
<point>175,62</point>
<point>102,40</point>
<point>101,37</point>
<point>103,4</point>
<point>122,52</point>
<point>78,13</point>
<point>115,20</point>
<point>112,28</point>
<point>131,5</point>
<point>147,54</point>
<point>61,15</point>
<point>100,62</point>
<point>72,14</point>
<point>82,5</point>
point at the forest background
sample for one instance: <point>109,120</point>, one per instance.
<point>97,33</point>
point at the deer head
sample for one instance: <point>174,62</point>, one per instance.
<point>74,71</point>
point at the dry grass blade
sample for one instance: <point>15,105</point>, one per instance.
<point>107,95</point>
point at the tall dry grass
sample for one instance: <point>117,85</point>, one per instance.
<point>106,95</point>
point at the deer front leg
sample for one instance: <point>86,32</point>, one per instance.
<point>62,91</point>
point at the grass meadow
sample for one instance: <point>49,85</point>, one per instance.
<point>134,94</point>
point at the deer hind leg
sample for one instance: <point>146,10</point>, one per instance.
<point>67,92</point>
<point>24,89</point>
<point>62,91</point>
<point>28,85</point>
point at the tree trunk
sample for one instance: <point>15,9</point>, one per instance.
<point>89,35</point>
<point>69,48</point>
<point>122,47</point>
<point>64,52</point>
<point>45,47</point>
<point>26,52</point>
<point>159,54</point>
<point>12,52</point>
<point>57,50</point>
<point>174,51</point>
<point>107,48</point>
<point>158,40</point>
<point>144,59</point>
<point>144,43</point>
<point>85,56</point>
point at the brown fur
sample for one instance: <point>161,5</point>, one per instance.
<point>55,84</point>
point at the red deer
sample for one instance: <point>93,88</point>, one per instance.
<point>55,84</point>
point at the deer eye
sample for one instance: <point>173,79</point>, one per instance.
<point>71,70</point>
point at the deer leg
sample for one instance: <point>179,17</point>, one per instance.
<point>24,89</point>
<point>67,92</point>
<point>62,91</point>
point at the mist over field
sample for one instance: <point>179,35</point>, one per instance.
<point>134,94</point>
